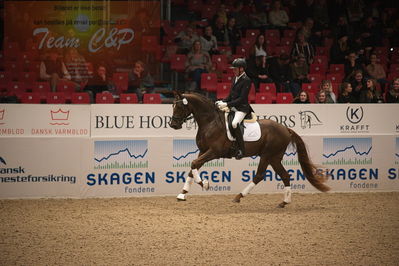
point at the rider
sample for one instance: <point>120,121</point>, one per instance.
<point>238,101</point>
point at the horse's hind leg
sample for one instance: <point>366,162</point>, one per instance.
<point>280,170</point>
<point>263,163</point>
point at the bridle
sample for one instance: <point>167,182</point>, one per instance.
<point>182,120</point>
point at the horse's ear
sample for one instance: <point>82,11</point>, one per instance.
<point>177,94</point>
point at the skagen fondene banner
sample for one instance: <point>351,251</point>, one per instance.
<point>98,30</point>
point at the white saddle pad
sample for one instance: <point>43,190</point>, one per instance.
<point>251,131</point>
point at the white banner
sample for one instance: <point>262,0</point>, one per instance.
<point>44,120</point>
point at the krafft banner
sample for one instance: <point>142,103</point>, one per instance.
<point>46,120</point>
<point>306,119</point>
<point>96,29</point>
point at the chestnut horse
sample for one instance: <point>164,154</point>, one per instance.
<point>213,143</point>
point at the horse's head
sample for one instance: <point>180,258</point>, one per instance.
<point>181,111</point>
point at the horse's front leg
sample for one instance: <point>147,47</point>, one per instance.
<point>194,175</point>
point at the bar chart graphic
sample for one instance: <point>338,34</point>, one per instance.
<point>186,150</point>
<point>120,154</point>
<point>347,151</point>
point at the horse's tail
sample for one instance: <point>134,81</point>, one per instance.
<point>314,176</point>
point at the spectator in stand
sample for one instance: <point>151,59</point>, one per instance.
<point>221,13</point>
<point>302,97</point>
<point>310,33</point>
<point>354,9</point>
<point>300,70</point>
<point>220,32</point>
<point>77,67</point>
<point>321,97</point>
<point>140,80</point>
<point>320,14</point>
<point>208,41</point>
<point>377,71</point>
<point>341,28</point>
<point>370,94</point>
<point>301,46</point>
<point>327,87</point>
<point>198,62</point>
<point>234,34</point>
<point>278,18</point>
<point>370,33</point>
<point>392,96</point>
<point>280,73</point>
<point>259,71</point>
<point>351,65</point>
<point>53,69</point>
<point>100,82</point>
<point>346,95</point>
<point>242,21</point>
<point>186,38</point>
<point>339,50</point>
<point>258,18</point>
<point>259,47</point>
<point>358,83</point>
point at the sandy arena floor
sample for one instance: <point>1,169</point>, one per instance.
<point>316,229</point>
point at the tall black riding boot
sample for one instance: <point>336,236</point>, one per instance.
<point>240,143</point>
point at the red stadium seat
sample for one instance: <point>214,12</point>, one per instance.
<point>149,43</point>
<point>263,98</point>
<point>120,77</point>
<point>152,98</point>
<point>220,61</point>
<point>284,97</point>
<point>252,34</point>
<point>80,98</point>
<point>209,81</point>
<point>56,98</point>
<point>268,88</point>
<point>178,62</point>
<point>289,34</point>
<point>30,97</point>
<point>105,98</point>
<point>315,78</point>
<point>317,68</point>
<point>310,87</point>
<point>223,90</point>
<point>272,34</point>
<point>227,77</point>
<point>337,68</point>
<point>252,94</point>
<point>335,77</point>
<point>66,86</point>
<point>128,98</point>
<point>28,77</point>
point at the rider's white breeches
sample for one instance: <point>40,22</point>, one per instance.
<point>238,117</point>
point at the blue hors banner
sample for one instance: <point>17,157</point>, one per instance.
<point>82,151</point>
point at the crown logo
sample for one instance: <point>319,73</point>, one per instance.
<point>59,115</point>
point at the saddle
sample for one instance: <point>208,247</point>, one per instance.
<point>249,126</point>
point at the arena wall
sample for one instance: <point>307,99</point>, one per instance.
<point>121,150</point>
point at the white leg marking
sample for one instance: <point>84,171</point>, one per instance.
<point>181,197</point>
<point>197,178</point>
<point>187,184</point>
<point>287,194</point>
<point>248,189</point>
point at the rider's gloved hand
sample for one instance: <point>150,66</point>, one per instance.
<point>222,105</point>
<point>217,103</point>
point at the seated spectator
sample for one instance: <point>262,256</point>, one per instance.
<point>326,86</point>
<point>198,62</point>
<point>53,69</point>
<point>377,71</point>
<point>234,34</point>
<point>100,82</point>
<point>370,94</point>
<point>257,18</point>
<point>220,31</point>
<point>300,70</point>
<point>321,97</point>
<point>358,83</point>
<point>341,28</point>
<point>320,14</point>
<point>186,38</point>
<point>339,50</point>
<point>280,73</point>
<point>140,80</point>
<point>311,34</point>
<point>259,47</point>
<point>278,18</point>
<point>370,33</point>
<point>258,71</point>
<point>208,41</point>
<point>303,47</point>
<point>77,67</point>
<point>302,97</point>
<point>241,18</point>
<point>392,96</point>
<point>346,95</point>
<point>351,65</point>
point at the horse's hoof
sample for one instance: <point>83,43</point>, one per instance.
<point>205,184</point>
<point>181,197</point>
<point>282,204</point>
<point>237,199</point>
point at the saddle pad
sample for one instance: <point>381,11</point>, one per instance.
<point>251,131</point>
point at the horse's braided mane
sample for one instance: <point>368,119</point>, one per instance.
<point>201,97</point>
